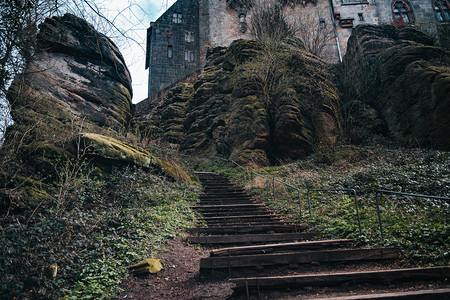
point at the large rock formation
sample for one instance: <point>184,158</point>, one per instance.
<point>404,78</point>
<point>252,104</point>
<point>81,70</point>
<point>71,107</point>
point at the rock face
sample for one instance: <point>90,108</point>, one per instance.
<point>81,70</point>
<point>71,107</point>
<point>252,104</point>
<point>401,75</point>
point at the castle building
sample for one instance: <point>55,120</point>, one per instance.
<point>177,42</point>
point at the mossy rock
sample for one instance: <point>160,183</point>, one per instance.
<point>402,76</point>
<point>107,149</point>
<point>23,194</point>
<point>230,114</point>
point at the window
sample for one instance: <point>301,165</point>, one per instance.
<point>442,10</point>
<point>169,51</point>
<point>322,24</point>
<point>188,36</point>
<point>360,17</point>
<point>346,23</point>
<point>401,11</point>
<point>177,18</point>
<point>189,56</point>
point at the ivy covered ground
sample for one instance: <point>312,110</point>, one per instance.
<point>79,246</point>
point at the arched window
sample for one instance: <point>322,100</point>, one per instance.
<point>442,10</point>
<point>401,11</point>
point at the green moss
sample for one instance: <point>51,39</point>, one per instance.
<point>27,193</point>
<point>115,150</point>
<point>251,156</point>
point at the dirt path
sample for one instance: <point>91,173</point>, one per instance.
<point>178,280</point>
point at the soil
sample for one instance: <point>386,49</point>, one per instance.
<point>179,279</point>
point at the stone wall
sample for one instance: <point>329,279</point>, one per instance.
<point>224,26</point>
<point>422,13</point>
<point>168,35</point>
<point>354,12</point>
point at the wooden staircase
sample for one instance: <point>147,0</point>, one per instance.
<point>262,252</point>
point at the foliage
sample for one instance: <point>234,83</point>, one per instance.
<point>240,4</point>
<point>419,226</point>
<point>18,28</point>
<point>109,221</point>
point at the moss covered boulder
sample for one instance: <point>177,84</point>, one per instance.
<point>404,78</point>
<point>252,104</point>
<point>107,151</point>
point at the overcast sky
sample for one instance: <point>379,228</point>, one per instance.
<point>134,22</point>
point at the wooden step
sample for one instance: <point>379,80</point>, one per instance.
<point>301,257</point>
<point>219,187</point>
<point>227,200</point>
<point>223,189</point>
<point>248,223</point>
<point>251,238</point>
<point>249,229</point>
<point>219,184</point>
<point>329,279</point>
<point>250,207</point>
<point>224,196</point>
<point>271,248</point>
<point>212,202</point>
<point>229,223</point>
<point>438,294</point>
<point>228,206</point>
<point>249,212</point>
<point>241,218</point>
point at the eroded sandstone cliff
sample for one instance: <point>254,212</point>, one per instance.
<point>398,77</point>
<point>252,104</point>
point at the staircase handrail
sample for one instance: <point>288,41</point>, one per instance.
<point>260,175</point>
<point>291,186</point>
<point>353,191</point>
<point>381,192</point>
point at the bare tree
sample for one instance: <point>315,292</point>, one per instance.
<point>314,29</point>
<point>18,28</point>
<point>269,23</point>
<point>273,21</point>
